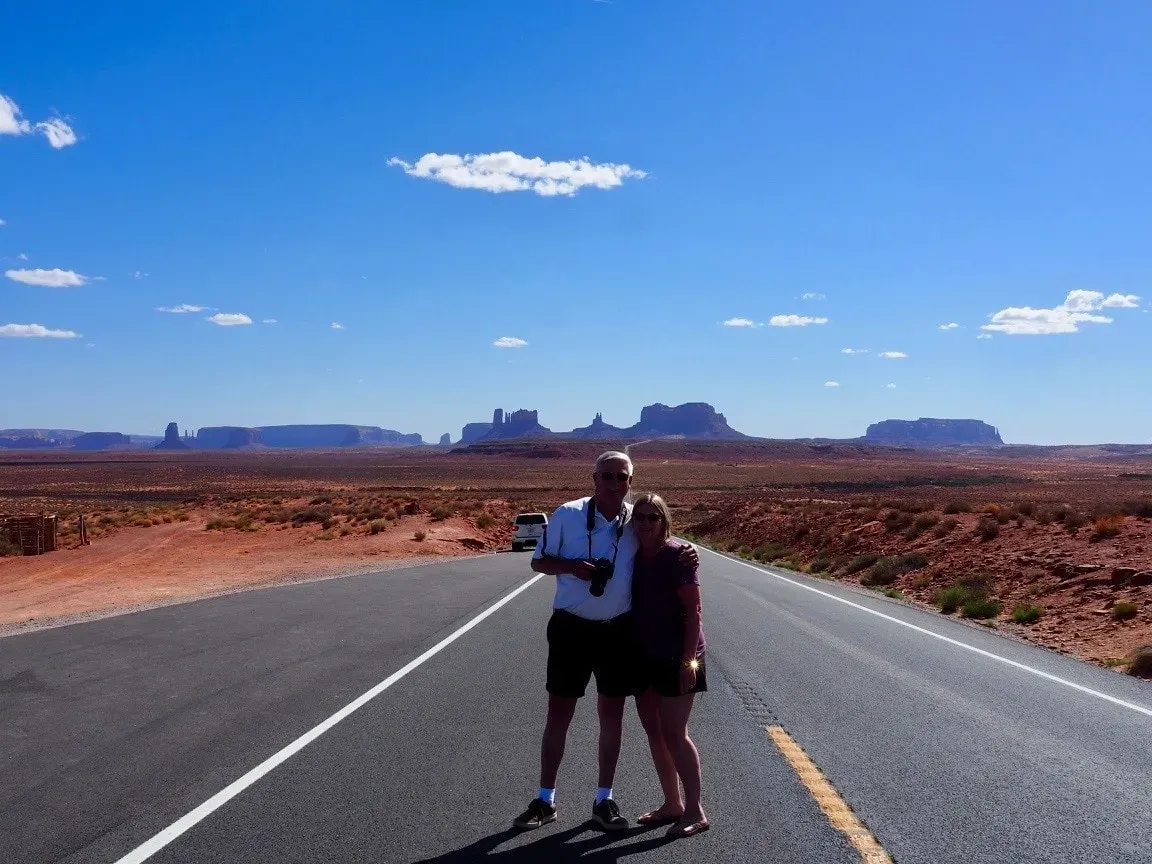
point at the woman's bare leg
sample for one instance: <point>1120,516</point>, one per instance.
<point>674,714</point>
<point>648,709</point>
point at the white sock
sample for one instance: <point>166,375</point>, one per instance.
<point>548,796</point>
<point>602,793</point>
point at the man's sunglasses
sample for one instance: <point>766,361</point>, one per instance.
<point>650,517</point>
<point>622,476</point>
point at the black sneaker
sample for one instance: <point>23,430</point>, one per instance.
<point>607,815</point>
<point>539,812</point>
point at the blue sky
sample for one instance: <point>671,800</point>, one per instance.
<point>672,166</point>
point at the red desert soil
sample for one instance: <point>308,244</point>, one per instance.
<point>1072,531</point>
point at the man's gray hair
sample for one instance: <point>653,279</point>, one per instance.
<point>614,456</point>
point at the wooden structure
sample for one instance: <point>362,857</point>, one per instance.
<point>35,535</point>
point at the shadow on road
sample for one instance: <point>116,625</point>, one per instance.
<point>556,847</point>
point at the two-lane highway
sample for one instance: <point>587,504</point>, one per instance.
<point>124,739</point>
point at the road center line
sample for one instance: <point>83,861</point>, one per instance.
<point>154,844</point>
<point>1022,666</point>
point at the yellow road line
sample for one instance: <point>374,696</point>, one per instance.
<point>830,801</point>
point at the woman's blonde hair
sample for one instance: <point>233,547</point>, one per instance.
<point>661,507</point>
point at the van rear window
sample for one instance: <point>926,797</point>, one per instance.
<point>532,519</point>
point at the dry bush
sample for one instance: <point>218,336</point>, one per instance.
<point>987,529</point>
<point>957,507</point>
<point>921,524</point>
<point>420,536</point>
<point>1124,611</point>
<point>1107,526</point>
<point>897,520</point>
<point>1074,521</point>
<point>1025,613</point>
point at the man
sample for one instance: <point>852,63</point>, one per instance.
<point>589,635</point>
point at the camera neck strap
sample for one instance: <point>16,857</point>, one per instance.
<point>619,531</point>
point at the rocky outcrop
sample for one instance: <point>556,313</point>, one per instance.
<point>691,420</point>
<point>101,441</point>
<point>928,432</point>
<point>517,424</point>
<point>474,432</point>
<point>172,439</point>
<point>227,437</point>
<point>445,440</point>
<point>303,436</point>
<point>597,429</point>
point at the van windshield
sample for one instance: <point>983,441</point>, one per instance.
<point>531,519</point>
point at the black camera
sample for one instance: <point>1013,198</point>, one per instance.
<point>603,572</point>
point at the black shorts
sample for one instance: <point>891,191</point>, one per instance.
<point>663,676</point>
<point>579,648</point>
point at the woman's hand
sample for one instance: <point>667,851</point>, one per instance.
<point>687,677</point>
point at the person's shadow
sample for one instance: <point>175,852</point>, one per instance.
<point>555,847</point>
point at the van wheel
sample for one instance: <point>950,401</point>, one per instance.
<point>517,547</point>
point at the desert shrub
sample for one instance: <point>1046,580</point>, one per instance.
<point>321,499</point>
<point>326,523</point>
<point>1027,508</point>
<point>945,526</point>
<point>951,598</point>
<point>977,582</point>
<point>1004,515</point>
<point>911,561</point>
<point>218,524</point>
<point>1139,509</point>
<point>922,581</point>
<point>311,514</point>
<point>957,507</point>
<point>921,524</point>
<point>987,529</point>
<point>325,535</point>
<point>1107,526</point>
<point>860,562</point>
<point>411,508</point>
<point>376,526</point>
<point>439,514</point>
<point>420,536</point>
<point>800,533</point>
<point>391,515</point>
<point>868,514</point>
<point>893,593</point>
<point>883,572</point>
<point>980,607</point>
<point>1124,610</point>
<point>897,520</point>
<point>1074,521</point>
<point>819,564</point>
<point>8,549</point>
<point>485,521</point>
<point>1025,613</point>
<point>345,531</point>
<point>770,551</point>
<point>1045,515</point>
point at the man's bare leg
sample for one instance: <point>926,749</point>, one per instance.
<point>611,711</point>
<point>560,711</point>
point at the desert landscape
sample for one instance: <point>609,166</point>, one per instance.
<point>1051,545</point>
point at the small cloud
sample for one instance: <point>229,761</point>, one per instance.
<point>182,309</point>
<point>893,355</point>
<point>336,325</point>
<point>831,383</point>
<point>952,326</point>
<point>511,172</point>
<point>509,342</point>
<point>229,319</point>
<point>984,336</point>
<point>741,322</point>
<point>269,321</point>
<point>1078,308</point>
<point>139,274</point>
<point>58,133</point>
<point>2,223</point>
<point>890,386</point>
<point>1121,301</point>
<point>90,345</point>
<point>813,295</point>
<point>34,331</point>
<point>853,350</point>
<point>22,257</point>
<point>55,278</point>
<point>794,321</point>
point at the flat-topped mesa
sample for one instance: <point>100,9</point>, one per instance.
<point>172,439</point>
<point>101,441</point>
<point>692,420</point>
<point>303,435</point>
<point>515,424</point>
<point>930,432</point>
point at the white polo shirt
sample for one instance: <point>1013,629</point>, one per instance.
<point>567,537</point>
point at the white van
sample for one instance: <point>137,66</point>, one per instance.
<point>529,530</point>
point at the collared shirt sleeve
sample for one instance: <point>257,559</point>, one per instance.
<point>553,536</point>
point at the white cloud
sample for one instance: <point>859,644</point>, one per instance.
<point>741,322</point>
<point>890,386</point>
<point>1078,308</point>
<point>22,257</point>
<point>270,321</point>
<point>952,326</point>
<point>831,383</point>
<point>182,309</point>
<point>55,278</point>
<point>509,342</point>
<point>893,355</point>
<point>2,223</point>
<point>1121,301</point>
<point>813,295</point>
<point>984,336</point>
<point>336,325</point>
<point>139,274</point>
<point>511,172</point>
<point>35,331</point>
<point>794,321</point>
<point>853,350</point>
<point>58,133</point>
<point>229,319</point>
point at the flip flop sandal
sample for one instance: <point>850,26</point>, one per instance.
<point>688,829</point>
<point>654,817</point>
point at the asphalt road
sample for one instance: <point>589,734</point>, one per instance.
<point>111,731</point>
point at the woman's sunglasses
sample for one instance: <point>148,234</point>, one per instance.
<point>647,517</point>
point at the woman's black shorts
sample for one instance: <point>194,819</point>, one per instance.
<point>663,676</point>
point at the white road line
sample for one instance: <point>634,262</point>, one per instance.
<point>153,845</point>
<point>1023,666</point>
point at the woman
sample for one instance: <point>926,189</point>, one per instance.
<point>666,611</point>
